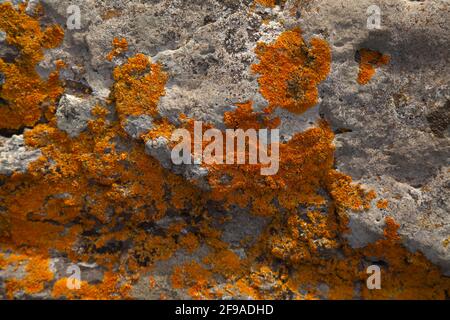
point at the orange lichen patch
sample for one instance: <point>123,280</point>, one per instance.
<point>195,278</point>
<point>347,194</point>
<point>265,283</point>
<point>119,189</point>
<point>138,86</point>
<point>111,288</point>
<point>199,279</point>
<point>149,249</point>
<point>245,118</point>
<point>383,204</point>
<point>306,166</point>
<point>369,61</point>
<point>24,93</point>
<point>391,230</point>
<point>60,64</point>
<point>152,282</point>
<point>225,262</point>
<point>404,275</point>
<point>446,242</point>
<point>5,226</point>
<point>25,33</point>
<point>110,14</point>
<point>37,275</point>
<point>96,198</point>
<point>299,238</point>
<point>266,3</point>
<point>13,261</point>
<point>290,71</point>
<point>21,200</point>
<point>302,242</point>
<point>189,242</point>
<point>97,158</point>
<point>119,46</point>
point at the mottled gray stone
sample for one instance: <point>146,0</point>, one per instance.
<point>15,155</point>
<point>73,114</point>
<point>159,149</point>
<point>135,126</point>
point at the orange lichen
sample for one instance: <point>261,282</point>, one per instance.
<point>406,275</point>
<point>37,275</point>
<point>290,71</point>
<point>55,191</point>
<point>110,288</point>
<point>24,93</point>
<point>5,226</point>
<point>346,194</point>
<point>152,282</point>
<point>194,277</point>
<point>382,204</point>
<point>225,263</point>
<point>266,3</point>
<point>96,197</point>
<point>245,118</point>
<point>111,14</point>
<point>369,61</point>
<point>162,128</point>
<point>306,165</point>
<point>149,249</point>
<point>189,242</point>
<point>119,46</point>
<point>138,86</point>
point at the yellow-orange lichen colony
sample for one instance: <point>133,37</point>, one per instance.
<point>85,193</point>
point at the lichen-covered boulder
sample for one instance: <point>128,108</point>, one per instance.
<point>93,206</point>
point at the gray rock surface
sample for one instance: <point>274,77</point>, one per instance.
<point>73,114</point>
<point>135,126</point>
<point>15,155</point>
<point>389,142</point>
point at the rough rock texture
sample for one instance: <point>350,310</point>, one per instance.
<point>15,155</point>
<point>388,141</point>
<point>392,135</point>
<point>138,125</point>
<point>73,114</point>
<point>391,146</point>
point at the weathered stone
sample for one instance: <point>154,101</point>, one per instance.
<point>135,126</point>
<point>73,114</point>
<point>384,138</point>
<point>392,135</point>
<point>15,155</point>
